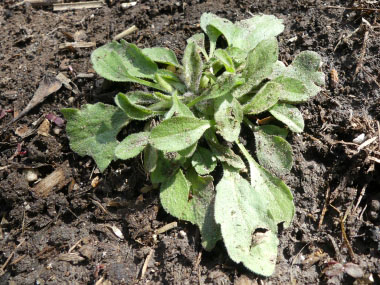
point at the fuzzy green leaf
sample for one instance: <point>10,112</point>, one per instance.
<point>238,56</point>
<point>167,165</point>
<point>178,108</point>
<point>178,133</point>
<point>199,40</point>
<point>161,55</point>
<point>203,161</point>
<point>192,67</point>
<point>197,209</point>
<point>289,115</point>
<point>304,68</point>
<point>226,84</point>
<point>245,34</point>
<point>132,145</point>
<point>274,153</point>
<point>260,63</point>
<point>228,117</point>
<point>150,158</point>
<point>293,90</point>
<point>225,59</point>
<point>141,98</point>
<point>241,210</point>
<point>123,62</point>
<point>93,129</point>
<point>223,153</point>
<point>132,110</point>
<point>273,130</point>
<point>265,98</point>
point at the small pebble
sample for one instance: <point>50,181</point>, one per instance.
<point>71,100</point>
<point>375,205</point>
<point>182,233</point>
<point>31,174</point>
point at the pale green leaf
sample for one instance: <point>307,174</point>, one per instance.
<point>178,133</point>
<point>197,208</point>
<point>293,90</point>
<point>178,108</point>
<point>150,158</point>
<point>238,56</point>
<point>132,110</point>
<point>241,210</point>
<point>245,34</point>
<point>226,84</point>
<point>189,151</point>
<point>93,129</point>
<point>279,196</point>
<point>223,153</point>
<point>273,130</point>
<point>265,98</point>
<point>259,66</point>
<point>274,153</point>
<point>199,40</point>
<point>225,59</point>
<point>141,98</point>
<point>161,55</point>
<point>304,68</point>
<point>228,117</point>
<point>289,115</point>
<point>203,161</point>
<point>192,67</point>
<point>167,165</point>
<point>123,62</point>
<point>132,145</point>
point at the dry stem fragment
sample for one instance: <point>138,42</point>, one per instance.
<point>77,5</point>
<point>125,33</point>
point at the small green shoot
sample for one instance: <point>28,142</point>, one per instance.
<point>194,112</point>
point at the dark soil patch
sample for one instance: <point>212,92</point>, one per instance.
<point>67,236</point>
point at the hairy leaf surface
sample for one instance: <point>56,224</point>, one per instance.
<point>178,133</point>
<point>132,145</point>
<point>93,129</point>
<point>289,115</point>
<point>197,208</point>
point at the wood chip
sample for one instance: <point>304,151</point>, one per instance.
<point>71,257</point>
<point>54,181</point>
<point>44,128</point>
<point>77,45</point>
<point>77,5</point>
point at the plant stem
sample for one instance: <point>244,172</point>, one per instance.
<point>250,125</point>
<point>248,157</point>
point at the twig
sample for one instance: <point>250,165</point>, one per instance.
<point>366,143</point>
<point>10,257</point>
<point>294,259</point>
<point>77,5</point>
<point>125,33</point>
<point>146,263</point>
<point>166,228</point>
<point>349,8</point>
<point>362,192</point>
<point>327,198</point>
<point>378,133</point>
<point>198,261</point>
<point>336,248</point>
<point>362,51</point>
<point>343,228</point>
<point>77,45</point>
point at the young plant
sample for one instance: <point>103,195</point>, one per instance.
<point>193,112</point>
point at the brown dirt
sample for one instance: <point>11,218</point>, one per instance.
<point>38,233</point>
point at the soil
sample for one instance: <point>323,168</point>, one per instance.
<point>70,234</point>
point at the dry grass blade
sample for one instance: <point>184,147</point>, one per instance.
<point>77,5</point>
<point>47,86</point>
